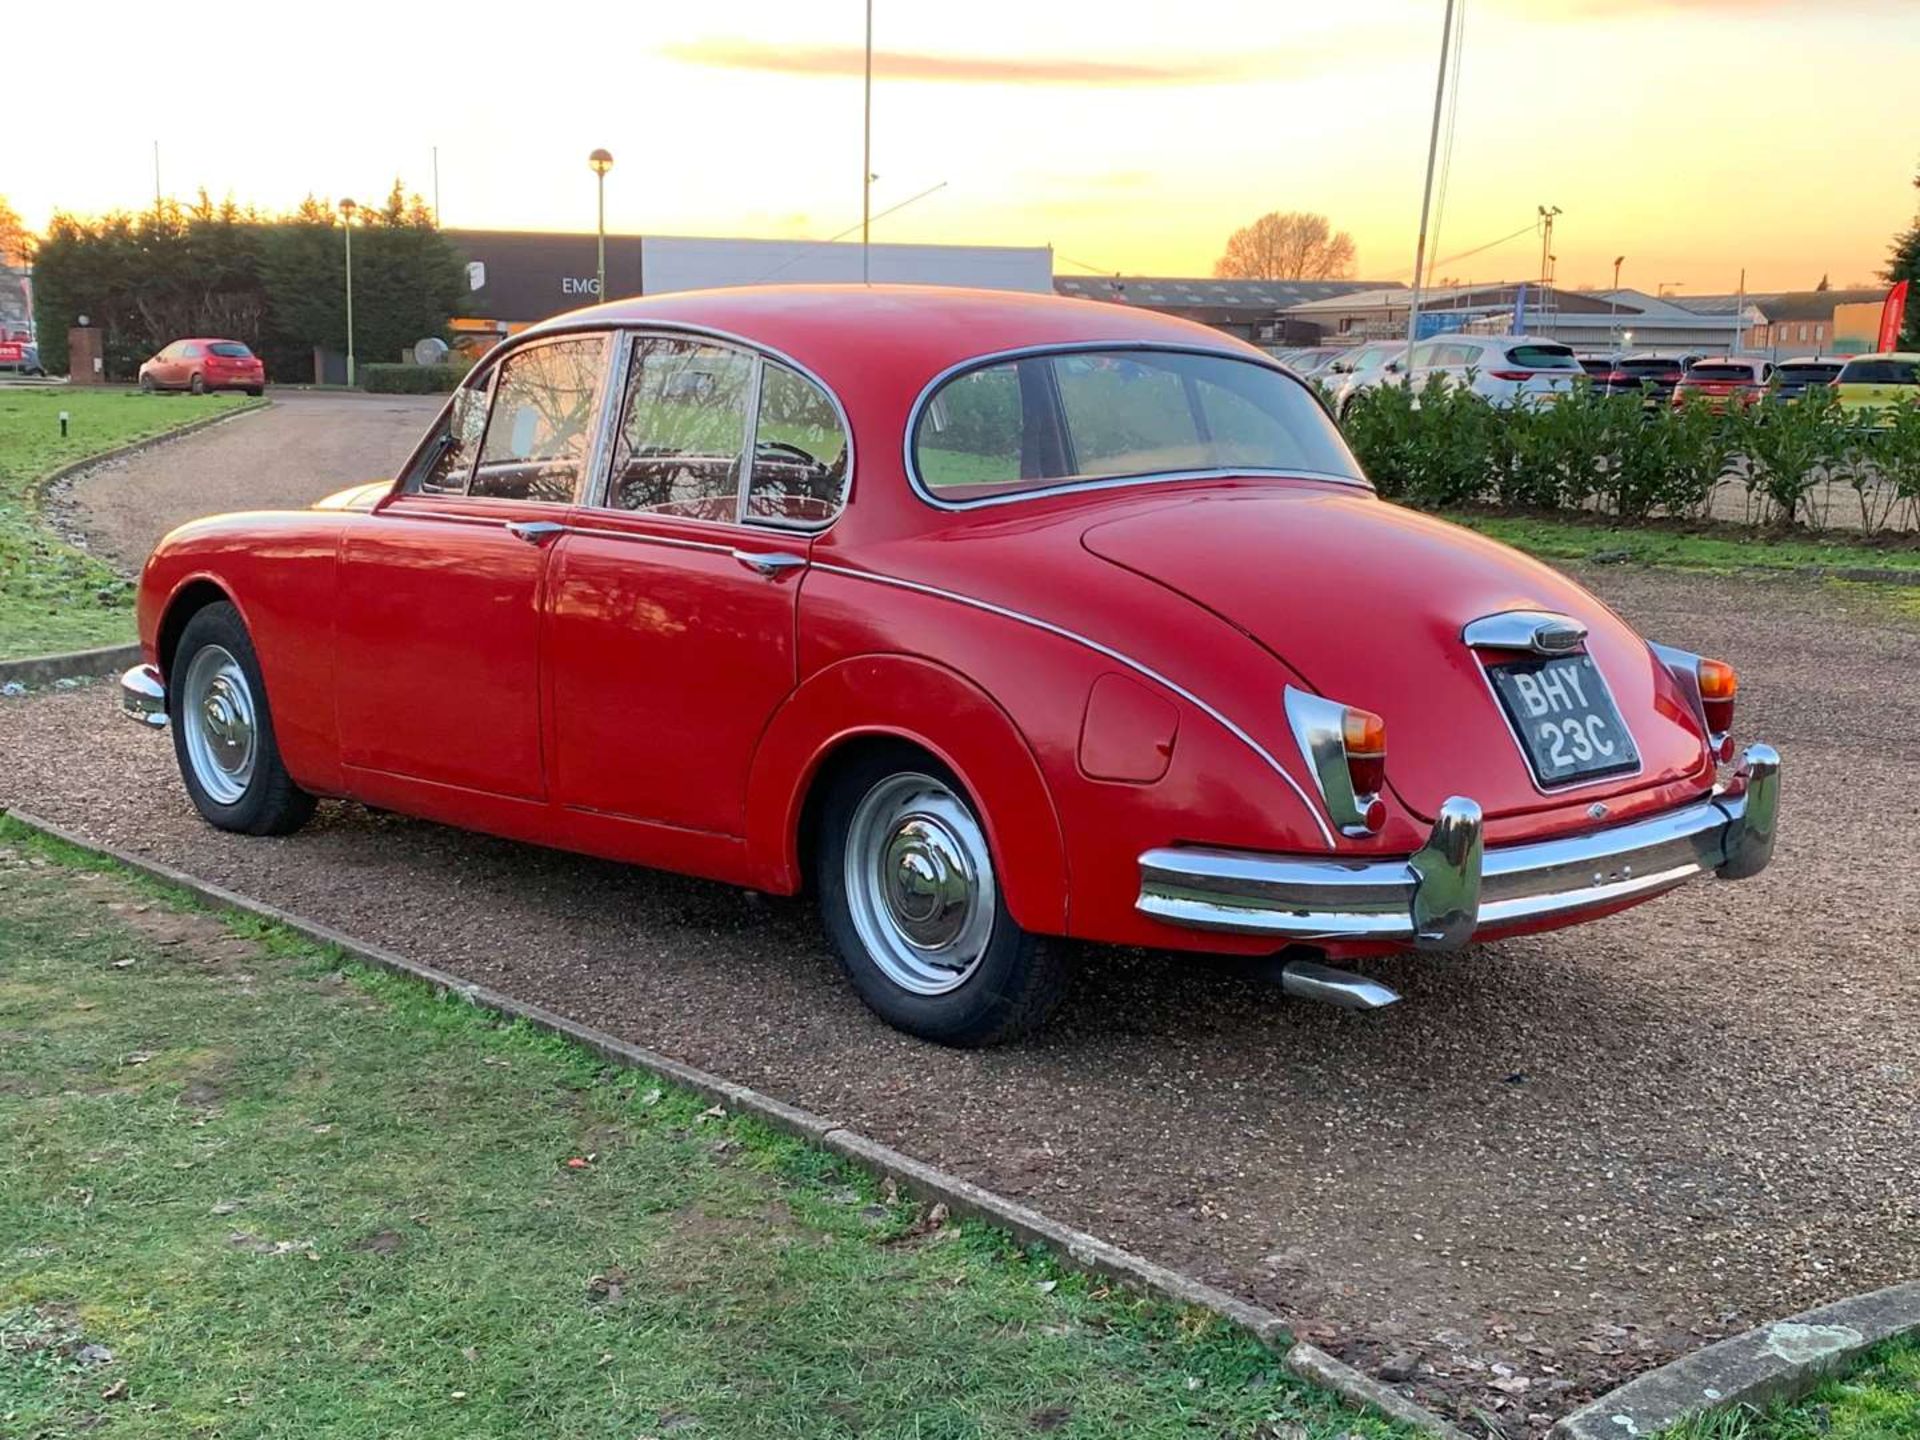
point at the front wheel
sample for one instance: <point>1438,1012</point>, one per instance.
<point>146,383</point>
<point>914,908</point>
<point>223,731</point>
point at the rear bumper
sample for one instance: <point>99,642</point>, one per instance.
<point>1452,887</point>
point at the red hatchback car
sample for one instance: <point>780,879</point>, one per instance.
<point>992,619</point>
<point>1723,382</point>
<point>204,365</point>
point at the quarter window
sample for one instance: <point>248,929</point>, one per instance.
<point>449,460</point>
<point>540,431</point>
<point>684,429</point>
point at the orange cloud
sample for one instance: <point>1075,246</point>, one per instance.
<point>904,65</point>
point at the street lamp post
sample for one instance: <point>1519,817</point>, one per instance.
<point>601,162</point>
<point>1613,301</point>
<point>347,207</point>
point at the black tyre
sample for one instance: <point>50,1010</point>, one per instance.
<point>256,390</point>
<point>223,730</point>
<point>911,902</point>
<point>198,384</point>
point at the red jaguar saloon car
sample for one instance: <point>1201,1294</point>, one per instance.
<point>992,620</point>
<point>200,366</point>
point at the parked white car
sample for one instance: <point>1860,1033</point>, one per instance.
<point>1504,369</point>
<point>1359,369</point>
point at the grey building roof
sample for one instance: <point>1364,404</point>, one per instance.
<point>1164,292</point>
<point>1779,304</point>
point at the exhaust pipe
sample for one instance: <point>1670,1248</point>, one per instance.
<point>1310,980</point>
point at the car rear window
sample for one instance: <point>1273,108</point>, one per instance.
<point>1651,367</point>
<point>1881,372</point>
<point>1543,357</point>
<point>1809,373</point>
<point>1597,367</point>
<point>1720,372</point>
<point>232,349</point>
<point>1041,422</point>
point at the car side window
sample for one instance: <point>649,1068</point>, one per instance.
<point>449,461</point>
<point>539,432</point>
<point>189,352</point>
<point>683,429</point>
<point>800,451</point>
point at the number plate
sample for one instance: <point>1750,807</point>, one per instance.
<point>1568,727</point>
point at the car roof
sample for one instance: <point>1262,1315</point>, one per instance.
<point>847,332</point>
<point>1913,355</point>
<point>1816,360</point>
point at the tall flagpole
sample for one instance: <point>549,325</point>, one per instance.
<point>866,158</point>
<point>1426,195</point>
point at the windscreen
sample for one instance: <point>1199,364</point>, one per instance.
<point>1043,421</point>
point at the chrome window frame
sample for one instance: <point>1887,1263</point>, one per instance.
<point>1112,482</point>
<point>597,494</point>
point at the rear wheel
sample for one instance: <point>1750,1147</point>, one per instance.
<point>198,384</point>
<point>914,908</point>
<point>223,732</point>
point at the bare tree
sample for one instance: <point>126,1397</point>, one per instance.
<point>1289,246</point>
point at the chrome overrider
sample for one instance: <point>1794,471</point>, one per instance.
<point>143,695</point>
<point>1453,886</point>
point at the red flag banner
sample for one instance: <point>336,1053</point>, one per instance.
<point>1892,315</point>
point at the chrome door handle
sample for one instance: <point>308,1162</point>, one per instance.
<point>770,563</point>
<point>534,532</point>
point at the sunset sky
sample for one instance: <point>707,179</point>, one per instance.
<point>1694,136</point>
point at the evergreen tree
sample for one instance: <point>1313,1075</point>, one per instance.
<point>1904,264</point>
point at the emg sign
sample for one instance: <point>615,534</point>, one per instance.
<point>579,285</point>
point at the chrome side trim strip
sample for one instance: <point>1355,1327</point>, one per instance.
<point>640,537</point>
<point>1094,645</point>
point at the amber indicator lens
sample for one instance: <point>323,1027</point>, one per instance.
<point>1365,736</point>
<point>1718,685</point>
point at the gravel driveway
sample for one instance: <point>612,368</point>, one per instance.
<point>1564,1159</point>
<point>305,445</point>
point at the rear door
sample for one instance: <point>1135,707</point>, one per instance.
<point>441,587</point>
<point>672,611</point>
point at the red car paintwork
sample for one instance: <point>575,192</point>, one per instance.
<point>1103,669</point>
<point>178,365</point>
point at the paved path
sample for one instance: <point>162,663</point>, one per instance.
<point>307,444</point>
<point>1574,1155</point>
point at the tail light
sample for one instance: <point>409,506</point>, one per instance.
<point>1345,747</point>
<point>1363,735</point>
<point>1718,685</point>
<point>1617,377</point>
<point>1511,374</point>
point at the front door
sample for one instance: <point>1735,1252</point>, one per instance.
<point>442,586</point>
<point>672,605</point>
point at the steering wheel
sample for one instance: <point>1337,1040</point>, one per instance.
<point>793,452</point>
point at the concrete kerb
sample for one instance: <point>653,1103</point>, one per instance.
<point>69,665</point>
<point>87,664</point>
<point>1779,1361</point>
<point>1077,1248</point>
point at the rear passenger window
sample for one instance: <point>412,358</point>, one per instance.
<point>540,430</point>
<point>683,430</point>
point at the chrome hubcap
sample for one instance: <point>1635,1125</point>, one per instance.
<point>217,718</point>
<point>920,883</point>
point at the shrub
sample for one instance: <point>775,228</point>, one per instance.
<point>412,379</point>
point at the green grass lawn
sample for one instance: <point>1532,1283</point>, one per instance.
<point>52,596</point>
<point>249,1191</point>
<point>1715,548</point>
<point>1879,1400</point>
